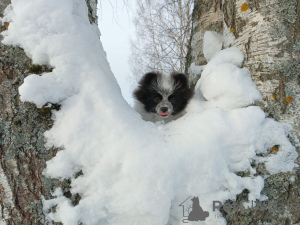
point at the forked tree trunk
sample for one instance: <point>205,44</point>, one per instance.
<point>22,125</point>
<point>268,32</point>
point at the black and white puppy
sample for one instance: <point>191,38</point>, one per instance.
<point>160,97</point>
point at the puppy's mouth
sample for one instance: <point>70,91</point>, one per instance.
<point>164,114</point>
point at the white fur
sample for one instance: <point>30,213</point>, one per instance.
<point>165,83</point>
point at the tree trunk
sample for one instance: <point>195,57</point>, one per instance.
<point>22,152</point>
<point>268,32</point>
<point>207,16</point>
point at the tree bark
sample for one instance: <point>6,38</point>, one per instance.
<point>268,32</point>
<point>22,125</point>
<point>207,16</point>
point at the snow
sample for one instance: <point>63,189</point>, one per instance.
<point>195,71</point>
<point>226,85</point>
<point>212,43</point>
<point>138,172</point>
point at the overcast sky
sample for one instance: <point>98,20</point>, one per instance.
<point>116,27</point>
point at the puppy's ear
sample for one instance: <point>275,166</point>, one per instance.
<point>180,78</point>
<point>148,78</point>
<point>142,91</point>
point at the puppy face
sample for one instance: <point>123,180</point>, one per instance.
<point>164,95</point>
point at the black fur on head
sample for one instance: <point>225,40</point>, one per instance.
<point>164,95</point>
<point>182,92</point>
<point>145,92</point>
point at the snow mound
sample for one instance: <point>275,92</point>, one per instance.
<point>37,89</point>
<point>136,172</point>
<point>46,23</point>
<point>230,55</point>
<point>212,43</point>
<point>224,84</point>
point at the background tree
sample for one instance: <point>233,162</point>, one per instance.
<point>268,32</point>
<point>163,34</point>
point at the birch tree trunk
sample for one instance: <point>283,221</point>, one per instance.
<point>268,32</point>
<point>22,153</point>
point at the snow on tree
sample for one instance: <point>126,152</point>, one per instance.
<point>268,34</point>
<point>119,168</point>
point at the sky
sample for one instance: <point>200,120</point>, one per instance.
<point>116,27</point>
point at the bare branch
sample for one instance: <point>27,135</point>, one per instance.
<point>163,32</point>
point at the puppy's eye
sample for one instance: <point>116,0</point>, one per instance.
<point>171,98</point>
<point>157,99</point>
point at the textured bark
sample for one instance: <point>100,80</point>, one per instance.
<point>22,153</point>
<point>207,15</point>
<point>268,32</point>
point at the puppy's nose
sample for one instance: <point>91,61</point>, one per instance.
<point>164,109</point>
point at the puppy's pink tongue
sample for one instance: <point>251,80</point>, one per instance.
<point>164,114</point>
